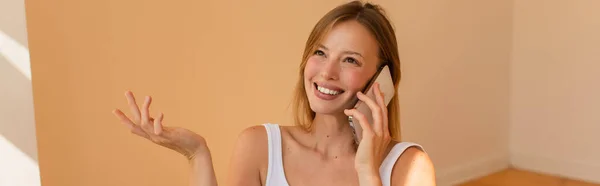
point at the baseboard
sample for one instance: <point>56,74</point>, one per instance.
<point>471,170</point>
<point>565,168</point>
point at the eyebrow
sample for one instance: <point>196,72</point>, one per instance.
<point>345,52</point>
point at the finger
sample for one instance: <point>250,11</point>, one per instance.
<point>124,119</point>
<point>380,97</point>
<point>127,122</point>
<point>362,120</point>
<point>158,124</point>
<point>145,115</point>
<point>135,111</point>
<point>375,111</point>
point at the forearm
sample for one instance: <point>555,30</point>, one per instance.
<point>202,171</point>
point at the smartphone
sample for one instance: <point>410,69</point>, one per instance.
<point>384,78</point>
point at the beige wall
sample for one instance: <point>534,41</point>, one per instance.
<point>18,149</point>
<point>85,54</point>
<point>455,86</point>
<point>555,97</point>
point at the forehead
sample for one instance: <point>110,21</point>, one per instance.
<point>351,35</point>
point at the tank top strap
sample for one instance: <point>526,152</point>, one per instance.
<point>385,170</point>
<point>275,172</point>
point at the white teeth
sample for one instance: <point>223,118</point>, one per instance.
<point>327,91</point>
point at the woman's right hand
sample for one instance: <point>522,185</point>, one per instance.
<point>142,124</point>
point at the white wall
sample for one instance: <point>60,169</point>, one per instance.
<point>555,88</point>
<point>18,151</point>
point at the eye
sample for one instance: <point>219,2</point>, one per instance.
<point>319,53</point>
<point>351,60</point>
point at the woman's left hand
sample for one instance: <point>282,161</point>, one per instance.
<point>375,138</point>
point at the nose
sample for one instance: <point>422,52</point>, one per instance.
<point>330,70</point>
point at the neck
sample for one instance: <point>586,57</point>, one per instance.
<point>332,135</point>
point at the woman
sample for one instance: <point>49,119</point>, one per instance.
<point>342,54</point>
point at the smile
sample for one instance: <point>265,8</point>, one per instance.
<point>326,93</point>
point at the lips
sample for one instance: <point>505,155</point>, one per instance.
<point>327,92</point>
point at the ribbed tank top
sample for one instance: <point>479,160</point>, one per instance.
<point>276,174</point>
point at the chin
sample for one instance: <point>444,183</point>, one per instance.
<point>325,109</point>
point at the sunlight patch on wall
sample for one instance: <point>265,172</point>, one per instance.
<point>17,167</point>
<point>15,53</point>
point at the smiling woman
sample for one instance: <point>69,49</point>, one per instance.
<point>342,53</point>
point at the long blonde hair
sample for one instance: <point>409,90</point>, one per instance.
<point>374,19</point>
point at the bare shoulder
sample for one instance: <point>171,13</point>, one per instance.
<point>249,160</point>
<point>253,134</point>
<point>414,167</point>
<point>252,143</point>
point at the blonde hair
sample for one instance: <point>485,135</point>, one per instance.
<point>374,19</point>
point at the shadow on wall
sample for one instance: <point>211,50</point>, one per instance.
<point>17,125</point>
<point>19,162</point>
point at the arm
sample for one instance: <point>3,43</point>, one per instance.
<point>250,155</point>
<point>184,141</point>
<point>413,168</point>
<point>202,171</point>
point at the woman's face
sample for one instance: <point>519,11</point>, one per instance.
<point>341,66</point>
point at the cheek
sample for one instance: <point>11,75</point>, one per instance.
<point>311,69</point>
<point>355,80</point>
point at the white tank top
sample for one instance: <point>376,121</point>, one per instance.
<point>276,174</point>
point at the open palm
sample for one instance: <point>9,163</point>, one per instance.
<point>142,124</point>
